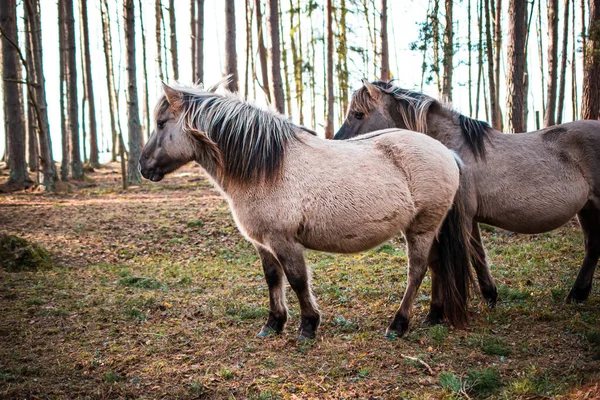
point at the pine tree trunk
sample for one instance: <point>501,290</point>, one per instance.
<point>76,164</point>
<point>313,79</point>
<point>199,77</point>
<point>45,142</point>
<point>158,31</point>
<point>517,32</point>
<point>470,58</point>
<point>497,54</point>
<point>148,127</point>
<point>297,59</point>
<point>541,56</point>
<point>496,123</point>
<point>248,16</point>
<point>448,53</point>
<point>193,25</point>
<point>275,56</point>
<point>262,51</point>
<point>94,160</point>
<point>65,143</point>
<point>106,39</point>
<point>286,76</point>
<point>563,66</point>
<point>479,55</point>
<point>550,115</point>
<point>330,98</point>
<point>133,114</point>
<point>435,28</point>
<point>13,108</point>
<point>385,54</point>
<point>32,122</point>
<point>590,104</point>
<point>343,59</point>
<point>172,25</point>
<point>574,105</point>
<point>230,50</point>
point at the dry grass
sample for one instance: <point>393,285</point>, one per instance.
<point>156,295</point>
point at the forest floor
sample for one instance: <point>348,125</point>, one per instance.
<point>155,294</point>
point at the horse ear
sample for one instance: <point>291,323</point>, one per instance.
<point>372,89</point>
<point>174,96</point>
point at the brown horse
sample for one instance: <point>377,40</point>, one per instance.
<point>526,183</point>
<point>289,191</point>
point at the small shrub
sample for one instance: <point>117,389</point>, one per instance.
<point>451,381</point>
<point>112,377</point>
<point>135,314</point>
<point>17,254</point>
<point>226,373</point>
<point>494,346</point>
<point>482,382</point>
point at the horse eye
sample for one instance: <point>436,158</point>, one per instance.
<point>161,124</point>
<point>359,115</point>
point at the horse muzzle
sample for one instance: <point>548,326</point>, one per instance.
<point>153,174</point>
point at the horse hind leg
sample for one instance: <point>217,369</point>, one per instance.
<point>589,219</point>
<point>482,270</point>
<point>277,307</point>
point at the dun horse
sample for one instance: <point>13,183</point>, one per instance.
<point>289,191</point>
<point>526,183</point>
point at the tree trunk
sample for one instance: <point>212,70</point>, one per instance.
<point>470,58</point>
<point>193,25</point>
<point>286,77</point>
<point>230,50</point>
<point>32,122</point>
<point>479,55</point>
<point>550,115</point>
<point>158,31</point>
<point>248,17</point>
<point>262,52</point>
<point>32,9</point>
<point>497,54</point>
<point>574,104</point>
<point>148,128</point>
<point>541,56</point>
<point>342,50</point>
<point>13,108</point>
<point>65,145</point>
<point>448,53</point>
<point>435,28</point>
<point>385,54</point>
<point>172,25</point>
<point>199,76</point>
<point>94,160</point>
<point>296,58</point>
<point>590,104</point>
<point>496,122</point>
<point>330,98</point>
<point>313,79</point>
<point>517,32</point>
<point>275,56</point>
<point>563,66</point>
<point>133,114</point>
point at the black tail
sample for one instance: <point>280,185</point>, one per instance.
<point>453,259</point>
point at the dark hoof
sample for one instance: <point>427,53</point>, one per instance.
<point>308,327</point>
<point>397,328</point>
<point>303,336</point>
<point>490,295</point>
<point>435,316</point>
<point>578,295</point>
<point>274,326</point>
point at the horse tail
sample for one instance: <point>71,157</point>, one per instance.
<point>454,255</point>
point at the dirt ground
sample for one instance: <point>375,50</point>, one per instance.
<point>155,294</point>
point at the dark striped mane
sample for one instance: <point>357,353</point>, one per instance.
<point>413,108</point>
<point>250,141</point>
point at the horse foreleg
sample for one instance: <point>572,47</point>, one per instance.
<point>589,218</point>
<point>419,245</point>
<point>436,307</point>
<point>291,259</point>
<point>479,262</point>
<point>277,307</point>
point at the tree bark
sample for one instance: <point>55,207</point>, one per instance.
<point>275,56</point>
<point>330,98</point>
<point>550,115</point>
<point>133,114</point>
<point>448,53</point>
<point>193,25</point>
<point>94,159</point>
<point>145,67</point>
<point>262,51</point>
<point>230,50</point>
<point>13,108</point>
<point>385,54</point>
<point>158,33</point>
<point>343,58</point>
<point>496,120</point>
<point>517,32</point>
<point>199,77</point>
<point>590,104</point>
<point>172,25</point>
<point>65,143</point>
<point>106,39</point>
<point>435,23</point>
<point>32,122</point>
<point>563,66</point>
<point>497,54</point>
<point>286,77</point>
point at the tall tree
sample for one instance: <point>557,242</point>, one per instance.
<point>133,114</point>
<point>199,75</point>
<point>497,53</point>
<point>230,50</point>
<point>64,130</point>
<point>172,25</point>
<point>448,53</point>
<point>517,33</point>
<point>32,121</point>
<point>275,56</point>
<point>470,58</point>
<point>550,115</point>
<point>494,108</point>
<point>13,108</point>
<point>193,25</point>
<point>110,84</point>
<point>385,53</point>
<point>286,77</point>
<point>148,128</point>
<point>262,51</point>
<point>158,36</point>
<point>329,72</point>
<point>574,104</point>
<point>342,57</point>
<point>563,65</point>
<point>435,34</point>
<point>32,8</point>
<point>248,17</point>
<point>590,103</point>
<point>94,160</point>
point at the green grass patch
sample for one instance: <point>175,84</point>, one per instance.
<point>437,334</point>
<point>450,381</point>
<point>483,382</point>
<point>134,314</point>
<point>17,254</point>
<point>492,345</point>
<point>139,282</point>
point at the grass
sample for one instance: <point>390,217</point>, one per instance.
<point>166,303</point>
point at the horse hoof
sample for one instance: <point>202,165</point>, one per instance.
<point>397,329</point>
<point>433,319</point>
<point>304,336</point>
<point>490,296</point>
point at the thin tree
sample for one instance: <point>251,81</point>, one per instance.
<point>133,115</point>
<point>64,131</point>
<point>563,65</point>
<point>342,53</point>
<point>312,5</point>
<point>330,98</point>
<point>286,77</point>
<point>148,128</point>
<point>470,58</point>
<point>497,53</point>
<point>262,51</point>
<point>448,53</point>
<point>385,53</point>
<point>172,25</point>
<point>435,34</point>
<point>193,25</point>
<point>573,64</point>
<point>32,121</point>
<point>32,8</point>
<point>550,114</point>
<point>199,60</point>
<point>94,160</point>
<point>13,108</point>
<point>158,37</point>
<point>107,41</point>
<point>517,33</point>
<point>541,55</point>
<point>479,55</point>
<point>230,50</point>
<point>248,17</point>
<point>297,57</point>
<point>590,103</point>
<point>275,56</point>
<point>496,119</point>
